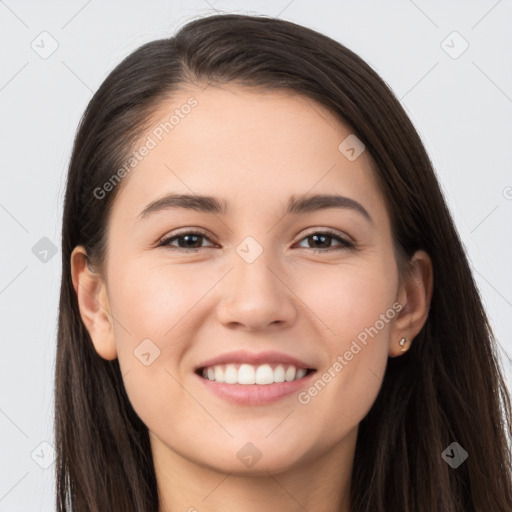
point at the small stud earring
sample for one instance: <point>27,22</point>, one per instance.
<point>402,343</point>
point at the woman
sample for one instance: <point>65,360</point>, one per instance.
<point>212,356</point>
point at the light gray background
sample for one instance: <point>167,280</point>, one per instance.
<point>461,106</point>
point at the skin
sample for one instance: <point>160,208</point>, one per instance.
<point>254,149</point>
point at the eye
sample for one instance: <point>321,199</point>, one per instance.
<point>325,237</point>
<point>189,241</point>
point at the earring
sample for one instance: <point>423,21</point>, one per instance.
<point>402,343</point>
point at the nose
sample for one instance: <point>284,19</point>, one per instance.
<point>257,295</point>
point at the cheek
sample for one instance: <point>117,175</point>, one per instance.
<point>155,301</point>
<point>162,303</point>
<point>348,298</point>
<point>354,304</point>
<point>154,314</point>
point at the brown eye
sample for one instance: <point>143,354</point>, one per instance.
<point>189,240</point>
<point>192,241</point>
<point>324,239</point>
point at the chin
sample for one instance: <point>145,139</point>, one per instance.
<point>264,466</point>
<point>253,457</point>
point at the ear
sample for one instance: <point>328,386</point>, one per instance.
<point>91,292</point>
<point>414,296</point>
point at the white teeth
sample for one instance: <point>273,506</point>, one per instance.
<point>246,374</point>
<point>252,374</point>
<point>300,373</point>
<point>231,374</point>
<point>218,374</point>
<point>290,374</point>
<point>279,374</point>
<point>264,374</point>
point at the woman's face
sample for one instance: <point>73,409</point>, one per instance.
<point>262,280</point>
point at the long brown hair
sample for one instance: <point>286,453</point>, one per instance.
<point>447,388</point>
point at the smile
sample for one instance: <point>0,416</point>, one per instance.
<point>247,390</point>
<point>248,374</point>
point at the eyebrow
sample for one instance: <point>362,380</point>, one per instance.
<point>212,205</point>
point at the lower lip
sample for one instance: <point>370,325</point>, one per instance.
<point>255,394</point>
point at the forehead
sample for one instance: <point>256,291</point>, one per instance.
<point>246,145</point>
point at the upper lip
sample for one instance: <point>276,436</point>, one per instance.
<point>242,356</point>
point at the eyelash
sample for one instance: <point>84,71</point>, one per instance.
<point>345,244</point>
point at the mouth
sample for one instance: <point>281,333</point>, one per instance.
<point>250,374</point>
